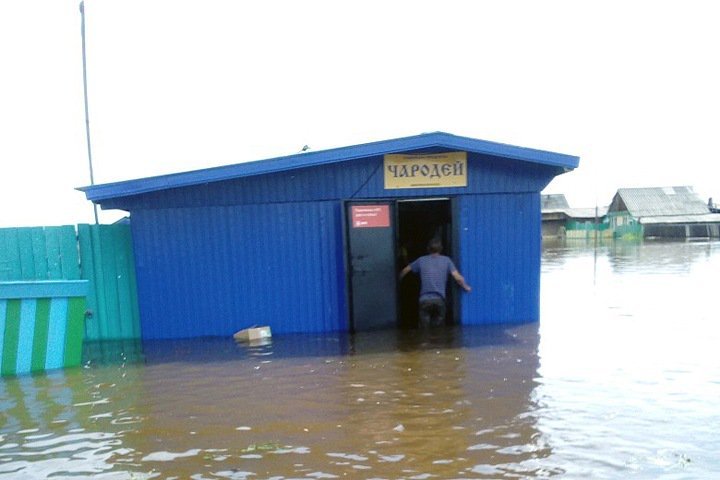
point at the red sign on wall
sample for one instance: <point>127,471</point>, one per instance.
<point>368,216</point>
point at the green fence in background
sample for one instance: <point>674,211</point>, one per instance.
<point>101,254</point>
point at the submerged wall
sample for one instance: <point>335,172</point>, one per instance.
<point>41,325</point>
<point>500,237</point>
<point>270,250</point>
<point>206,271</point>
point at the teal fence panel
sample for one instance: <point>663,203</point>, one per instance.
<point>108,263</point>
<point>39,253</point>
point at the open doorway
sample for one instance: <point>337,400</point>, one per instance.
<point>420,220</point>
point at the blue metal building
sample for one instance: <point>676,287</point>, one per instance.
<point>312,242</point>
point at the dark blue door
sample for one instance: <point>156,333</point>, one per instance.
<point>373,274</point>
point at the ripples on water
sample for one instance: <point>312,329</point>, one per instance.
<point>619,380</point>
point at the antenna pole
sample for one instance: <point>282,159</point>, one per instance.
<point>87,112</point>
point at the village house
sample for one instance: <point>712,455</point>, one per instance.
<point>667,212</point>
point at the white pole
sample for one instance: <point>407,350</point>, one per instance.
<point>87,112</point>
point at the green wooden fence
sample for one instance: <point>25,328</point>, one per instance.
<point>39,253</point>
<point>101,254</point>
<point>107,261</point>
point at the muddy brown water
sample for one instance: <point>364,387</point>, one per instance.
<point>620,379</point>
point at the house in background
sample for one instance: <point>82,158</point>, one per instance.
<point>553,201</point>
<point>552,208</point>
<point>559,220</point>
<point>667,212</point>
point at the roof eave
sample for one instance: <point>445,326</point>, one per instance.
<point>325,157</point>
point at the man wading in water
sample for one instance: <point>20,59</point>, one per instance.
<point>434,270</point>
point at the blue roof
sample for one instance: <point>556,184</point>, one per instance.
<point>324,157</point>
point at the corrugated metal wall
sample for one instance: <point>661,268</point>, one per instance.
<point>500,257</point>
<point>269,250</point>
<point>212,271</point>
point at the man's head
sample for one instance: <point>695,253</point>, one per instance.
<point>434,246</point>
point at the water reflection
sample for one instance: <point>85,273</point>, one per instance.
<point>49,426</point>
<point>650,257</point>
<point>654,256</point>
<point>113,352</point>
<point>629,375</point>
<point>620,379</point>
<point>404,404</point>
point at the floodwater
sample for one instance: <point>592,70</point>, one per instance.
<point>620,379</point>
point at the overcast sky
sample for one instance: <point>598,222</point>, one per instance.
<point>632,87</point>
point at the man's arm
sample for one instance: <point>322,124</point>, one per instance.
<point>405,271</point>
<point>460,280</point>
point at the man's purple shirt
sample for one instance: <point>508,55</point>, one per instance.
<point>433,271</point>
